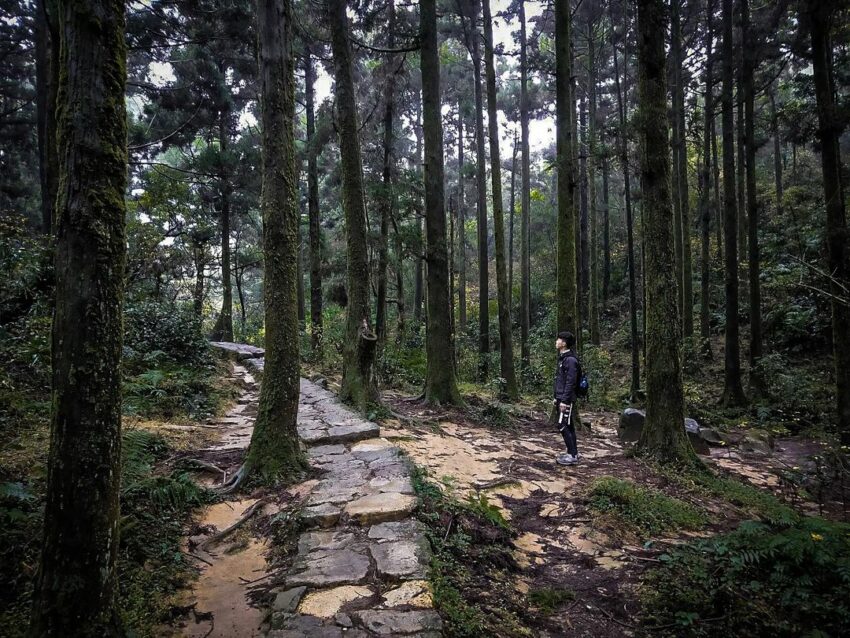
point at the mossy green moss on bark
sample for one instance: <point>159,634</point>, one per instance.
<point>275,452</point>
<point>359,387</point>
<point>440,382</point>
<point>663,436</point>
<point>75,587</point>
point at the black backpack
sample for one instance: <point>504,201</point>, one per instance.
<point>582,382</point>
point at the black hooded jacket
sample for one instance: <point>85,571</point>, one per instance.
<point>566,377</point>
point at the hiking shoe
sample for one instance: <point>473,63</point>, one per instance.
<point>566,459</point>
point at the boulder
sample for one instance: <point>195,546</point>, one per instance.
<point>757,442</point>
<point>631,426</point>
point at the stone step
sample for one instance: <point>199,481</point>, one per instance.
<point>314,432</point>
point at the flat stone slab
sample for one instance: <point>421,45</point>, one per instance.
<point>399,560</point>
<point>388,622</point>
<point>238,351</point>
<point>344,433</point>
<point>287,601</point>
<point>380,508</point>
<point>326,540</point>
<point>395,531</point>
<point>413,593</point>
<point>326,603</point>
<point>323,515</point>
<point>330,568</point>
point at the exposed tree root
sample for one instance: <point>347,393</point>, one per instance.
<point>218,537</point>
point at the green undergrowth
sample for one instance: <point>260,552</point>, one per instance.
<point>472,564</point>
<point>756,502</point>
<point>644,511</point>
<point>763,579</point>
<point>548,599</point>
<point>154,508</point>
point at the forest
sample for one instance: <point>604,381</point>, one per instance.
<point>280,288</point>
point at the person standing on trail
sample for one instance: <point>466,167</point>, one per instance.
<point>567,377</point>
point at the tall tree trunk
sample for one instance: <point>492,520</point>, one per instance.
<point>593,212</point>
<point>399,282</point>
<point>419,271</point>
<point>681,168</point>
<point>606,231</point>
<point>223,330</point>
<point>440,384</point>
<point>740,167</point>
<point>576,151</point>
<point>525,198</point>
<point>387,182</point>
<point>275,449</point>
<point>511,224</point>
<point>481,182</point>
<point>302,308</point>
<point>675,80</point>
<point>313,209</point>
<point>705,185</point>
<point>75,587</point>
<point>733,391</point>
<point>584,226</point>
<point>819,16</point>
<point>461,225</point>
<point>506,348</point>
<point>663,435</point>
<point>757,382</point>
<point>777,151</point>
<point>718,200</point>
<point>198,292</point>
<point>358,351</point>
<point>47,79</point>
<point>567,279</point>
<point>623,150</point>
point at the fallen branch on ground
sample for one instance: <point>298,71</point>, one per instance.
<point>215,538</point>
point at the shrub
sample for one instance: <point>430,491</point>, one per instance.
<point>760,580</point>
<point>155,332</point>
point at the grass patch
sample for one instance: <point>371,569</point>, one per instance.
<point>756,502</point>
<point>645,511</point>
<point>762,579</point>
<point>549,599</point>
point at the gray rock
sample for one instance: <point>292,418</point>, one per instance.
<point>631,426</point>
<point>312,541</point>
<point>386,622</point>
<point>330,568</point>
<point>395,530</point>
<point>711,436</point>
<point>757,442</point>
<point>238,351</point>
<point>287,601</point>
<point>344,620</point>
<point>380,508</point>
<point>400,560</point>
<point>323,515</point>
<point>306,627</point>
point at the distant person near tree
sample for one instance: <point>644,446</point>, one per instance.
<point>567,376</point>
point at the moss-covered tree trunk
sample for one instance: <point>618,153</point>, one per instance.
<point>777,150</point>
<point>387,197</point>
<point>525,199</point>
<point>315,229</point>
<point>663,436</point>
<point>440,384</point>
<point>623,152</point>
<point>506,349</point>
<point>75,588</point>
<point>275,450</point>
<point>567,277</point>
<point>705,192</point>
<point>819,16</point>
<point>758,386</point>
<point>358,379</point>
<point>461,226</point>
<point>593,204</point>
<point>681,169</point>
<point>47,80</point>
<point>223,330</point>
<point>481,183</point>
<point>733,391</point>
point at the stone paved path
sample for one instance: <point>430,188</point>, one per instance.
<point>361,565</point>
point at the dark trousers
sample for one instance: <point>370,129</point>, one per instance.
<point>565,423</point>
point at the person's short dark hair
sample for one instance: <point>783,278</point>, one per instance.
<point>567,337</point>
